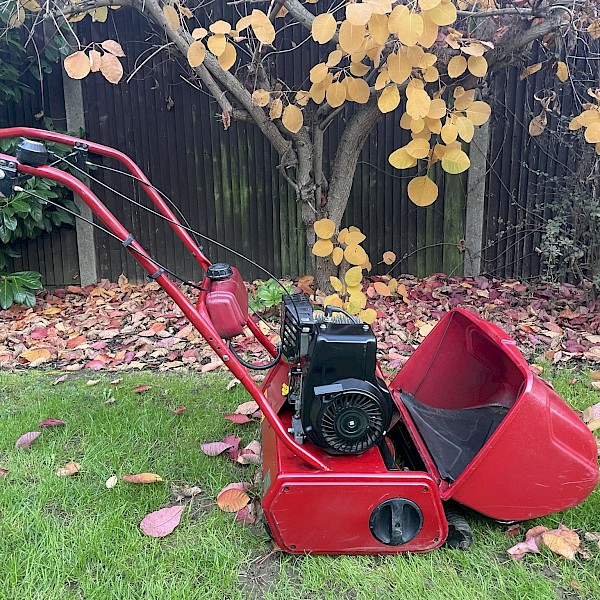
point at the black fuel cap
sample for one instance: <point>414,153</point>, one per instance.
<point>32,153</point>
<point>219,271</point>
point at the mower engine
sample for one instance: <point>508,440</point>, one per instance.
<point>339,402</point>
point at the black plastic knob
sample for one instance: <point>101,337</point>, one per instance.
<point>32,153</point>
<point>396,521</point>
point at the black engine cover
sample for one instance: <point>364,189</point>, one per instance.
<point>345,408</point>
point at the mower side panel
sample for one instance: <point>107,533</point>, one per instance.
<point>329,512</point>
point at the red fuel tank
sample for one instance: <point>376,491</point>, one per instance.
<point>226,300</point>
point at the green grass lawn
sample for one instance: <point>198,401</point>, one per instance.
<point>73,538</point>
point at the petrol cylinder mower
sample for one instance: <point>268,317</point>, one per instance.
<point>351,465</point>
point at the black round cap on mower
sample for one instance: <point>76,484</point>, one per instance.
<point>219,271</point>
<point>396,521</point>
<point>32,153</point>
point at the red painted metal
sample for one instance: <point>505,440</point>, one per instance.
<point>541,458</point>
<point>227,304</point>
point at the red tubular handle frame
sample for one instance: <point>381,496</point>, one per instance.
<point>197,315</point>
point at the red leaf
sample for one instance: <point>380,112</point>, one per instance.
<point>142,388</point>
<point>27,439</point>
<point>178,410</point>
<point>247,408</point>
<point>95,365</point>
<point>247,515</point>
<point>238,419</point>
<point>3,472</point>
<point>51,423</point>
<point>161,522</point>
<point>522,548</point>
<point>214,448</point>
<point>59,379</point>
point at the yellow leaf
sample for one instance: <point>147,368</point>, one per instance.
<point>351,37</point>
<point>199,33</point>
<point>479,112</point>
<point>323,28</point>
<point>437,109</point>
<point>292,118</point>
<point>171,16</point>
<point>382,289</point>
<point>353,289</point>
<point>563,541</point>
<point>428,4</point>
<point>389,99</point>
<point>336,284</point>
<point>431,74</point>
<point>398,68</point>
<point>378,29</point>
<point>397,17</point>
<point>592,133</point>
<point>389,257</point>
<point>575,124</point>
<point>449,133</point>
<point>354,237</point>
<point>417,126</point>
<point>359,14</point>
<point>216,44</point>
<point>368,316</point>
<point>594,29</point>
<point>38,355</point>
<point>353,276</point>
<point>337,255</point>
<point>334,58</point>
<point>243,23</point>
<point>221,27</point>
<point>302,97</point>
<point>355,255</point>
<point>401,159</point>
<point>333,300</point>
<point>477,66</point>
<point>465,128</point>
<point>474,49</point>
<point>434,125</point>
<point>562,71</point>
<point>393,285</point>
<point>142,478</point>
<point>422,191</point>
<point>276,109</point>
<point>77,65</point>
<point>357,90</point>
<point>111,68</point>
<point>411,29</point>
<point>227,58</point>
<point>382,79</point>
<point>457,66</point>
<point>336,94</point>
<point>324,228</point>
<point>318,73</point>
<point>99,15</point>
<point>587,117</point>
<point>417,148</point>
<point>322,248</point>
<point>418,102</point>
<point>430,32</point>
<point>358,301</point>
<point>260,97</point>
<point>442,14</point>
<point>358,69</point>
<point>341,237</point>
<point>530,70</point>
<point>262,27</point>
<point>464,100</point>
<point>455,161</point>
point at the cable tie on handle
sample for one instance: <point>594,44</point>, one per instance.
<point>127,241</point>
<point>156,275</point>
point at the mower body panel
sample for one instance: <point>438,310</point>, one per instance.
<point>539,459</point>
<point>332,512</point>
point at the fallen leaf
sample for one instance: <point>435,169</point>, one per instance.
<point>591,416</point>
<point>250,454</point>
<point>232,500</point>
<point>162,522</point>
<point>178,410</point>
<point>3,472</point>
<point>246,515</point>
<point>51,423</point>
<point>37,355</point>
<point>69,469</point>
<point>513,530</point>
<point>110,400</point>
<point>142,478</point>
<point>27,439</point>
<point>247,408</point>
<point>116,381</point>
<point>59,379</point>
<point>562,541</point>
<point>111,482</point>
<point>522,548</point>
<point>91,382</point>
<point>238,419</point>
<point>232,383</point>
<point>142,388</point>
<point>214,448</point>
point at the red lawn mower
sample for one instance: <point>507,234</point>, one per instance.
<point>351,465</point>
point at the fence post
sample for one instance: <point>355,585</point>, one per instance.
<point>478,152</point>
<point>86,242</point>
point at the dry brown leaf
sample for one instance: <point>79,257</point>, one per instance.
<point>232,500</point>
<point>69,469</point>
<point>142,478</point>
<point>112,47</point>
<point>77,65</point>
<point>111,68</point>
